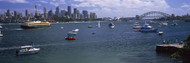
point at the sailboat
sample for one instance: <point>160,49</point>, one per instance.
<point>98,24</point>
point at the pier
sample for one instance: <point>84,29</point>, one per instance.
<point>168,48</point>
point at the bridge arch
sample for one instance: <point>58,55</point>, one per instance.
<point>154,14</point>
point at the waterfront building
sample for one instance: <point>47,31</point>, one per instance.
<point>93,16</point>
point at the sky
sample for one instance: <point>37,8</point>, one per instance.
<point>103,8</point>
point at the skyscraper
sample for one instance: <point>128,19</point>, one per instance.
<point>8,13</point>
<point>45,13</point>
<point>15,14</point>
<point>85,13</point>
<point>27,13</point>
<point>75,13</point>
<point>36,13</point>
<point>63,13</point>
<point>69,11</point>
<point>57,11</point>
<point>50,14</point>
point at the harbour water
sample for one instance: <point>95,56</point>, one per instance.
<point>105,45</point>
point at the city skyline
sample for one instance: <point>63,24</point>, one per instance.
<point>103,8</point>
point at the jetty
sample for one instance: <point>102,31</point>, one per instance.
<point>168,48</point>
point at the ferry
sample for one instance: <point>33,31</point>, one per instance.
<point>28,49</point>
<point>35,24</point>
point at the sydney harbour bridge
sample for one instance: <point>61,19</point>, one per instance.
<point>154,15</point>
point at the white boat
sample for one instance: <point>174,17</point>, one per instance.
<point>75,30</point>
<point>160,32</point>
<point>1,35</point>
<point>28,49</point>
<point>164,23</point>
<point>174,24</point>
<point>1,26</point>
<point>89,26</point>
<point>111,25</point>
<point>136,26</point>
<point>147,28</point>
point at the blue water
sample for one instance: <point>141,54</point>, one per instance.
<point>118,45</point>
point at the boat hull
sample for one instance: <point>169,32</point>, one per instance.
<point>31,27</point>
<point>27,52</point>
<point>73,38</point>
<point>148,30</point>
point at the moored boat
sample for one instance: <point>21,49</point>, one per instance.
<point>28,49</point>
<point>89,26</point>
<point>147,28</point>
<point>136,26</point>
<point>70,38</point>
<point>111,25</point>
<point>160,32</point>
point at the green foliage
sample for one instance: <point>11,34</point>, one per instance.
<point>188,39</point>
<point>175,55</point>
<point>184,52</point>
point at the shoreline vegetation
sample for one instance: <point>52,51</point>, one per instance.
<point>183,53</point>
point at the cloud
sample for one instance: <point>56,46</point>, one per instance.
<point>185,6</point>
<point>15,1</point>
<point>53,2</point>
<point>123,7</point>
<point>42,1</point>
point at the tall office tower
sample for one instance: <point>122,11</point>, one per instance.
<point>57,11</point>
<point>45,13</point>
<point>78,14</point>
<point>15,14</point>
<point>75,13</point>
<point>63,13</point>
<point>81,16</point>
<point>50,14</point>
<point>85,13</point>
<point>27,13</point>
<point>69,11</point>
<point>8,14</point>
